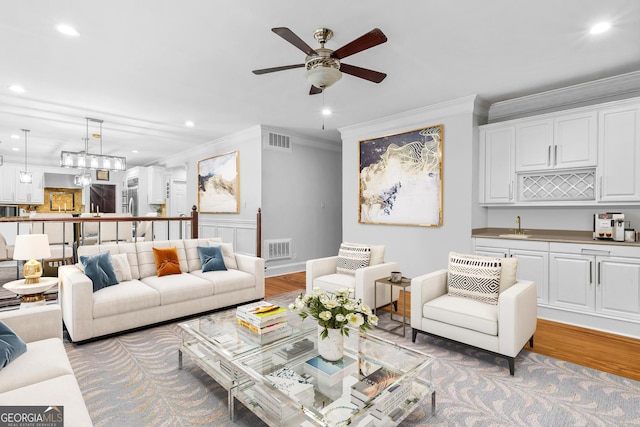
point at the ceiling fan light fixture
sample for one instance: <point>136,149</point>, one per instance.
<point>323,71</point>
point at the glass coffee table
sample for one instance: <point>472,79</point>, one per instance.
<point>377,383</point>
<point>258,374</point>
<point>214,342</point>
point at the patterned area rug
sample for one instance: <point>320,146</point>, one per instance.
<point>133,379</point>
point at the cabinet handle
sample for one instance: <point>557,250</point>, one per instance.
<point>601,182</point>
<point>511,190</point>
<point>598,265</point>
<point>555,155</point>
<point>549,156</point>
<point>591,272</point>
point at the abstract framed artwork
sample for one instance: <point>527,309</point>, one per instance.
<point>400,178</point>
<point>219,184</point>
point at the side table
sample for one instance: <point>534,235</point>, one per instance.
<point>403,285</point>
<point>33,294</point>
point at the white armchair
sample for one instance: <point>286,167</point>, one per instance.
<point>6,251</point>
<point>502,329</point>
<point>323,273</point>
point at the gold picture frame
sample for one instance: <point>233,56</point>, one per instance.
<point>219,183</point>
<point>400,178</point>
<point>102,175</point>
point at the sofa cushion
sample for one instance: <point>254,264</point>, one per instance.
<point>44,359</point>
<point>122,248</point>
<point>352,257</point>
<point>227,281</point>
<point>463,312</point>
<point>11,346</point>
<point>475,277</point>
<point>211,258</point>
<point>167,261</point>
<point>124,298</point>
<point>61,390</point>
<point>122,267</point>
<point>100,270</point>
<point>179,287</point>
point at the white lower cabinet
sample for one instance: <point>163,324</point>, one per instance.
<point>533,260</point>
<point>596,286</point>
<point>591,285</point>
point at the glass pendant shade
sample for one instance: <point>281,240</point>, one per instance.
<point>84,159</point>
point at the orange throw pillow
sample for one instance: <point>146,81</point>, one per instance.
<point>167,261</point>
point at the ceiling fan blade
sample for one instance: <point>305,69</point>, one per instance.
<point>292,38</point>
<point>314,90</point>
<point>363,73</point>
<point>371,39</point>
<point>274,69</point>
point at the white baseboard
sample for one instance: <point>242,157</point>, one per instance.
<point>277,270</point>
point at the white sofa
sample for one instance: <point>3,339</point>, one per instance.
<point>502,329</point>
<point>43,375</point>
<point>147,299</point>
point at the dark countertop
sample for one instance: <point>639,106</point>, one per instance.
<point>541,235</point>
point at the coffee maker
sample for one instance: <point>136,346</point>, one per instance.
<point>608,226</point>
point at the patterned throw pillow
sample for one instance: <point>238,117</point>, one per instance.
<point>474,277</point>
<point>211,258</point>
<point>352,257</point>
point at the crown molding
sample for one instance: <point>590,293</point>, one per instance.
<point>594,92</point>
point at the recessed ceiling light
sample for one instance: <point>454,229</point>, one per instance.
<point>600,27</point>
<point>189,124</point>
<point>67,30</point>
<point>15,149</point>
<point>326,112</point>
<point>134,151</point>
<point>16,89</point>
<point>14,136</point>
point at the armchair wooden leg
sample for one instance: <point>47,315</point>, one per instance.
<point>414,334</point>
<point>395,306</point>
<point>531,341</point>
<point>512,365</point>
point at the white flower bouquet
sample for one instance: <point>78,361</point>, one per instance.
<point>335,311</point>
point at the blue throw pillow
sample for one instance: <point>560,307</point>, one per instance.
<point>100,270</point>
<point>11,346</point>
<point>211,258</point>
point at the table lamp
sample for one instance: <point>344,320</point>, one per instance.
<point>31,247</point>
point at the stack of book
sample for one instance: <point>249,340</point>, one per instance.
<point>376,383</point>
<point>293,350</point>
<point>290,383</point>
<point>262,318</point>
<point>328,372</point>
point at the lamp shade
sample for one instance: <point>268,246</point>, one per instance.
<point>31,246</point>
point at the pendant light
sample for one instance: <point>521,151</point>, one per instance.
<point>86,160</point>
<point>26,177</point>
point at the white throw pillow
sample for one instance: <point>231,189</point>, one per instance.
<point>122,267</point>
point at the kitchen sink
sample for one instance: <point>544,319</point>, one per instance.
<point>515,236</point>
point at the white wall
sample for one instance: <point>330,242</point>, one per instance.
<point>420,250</point>
<point>302,199</point>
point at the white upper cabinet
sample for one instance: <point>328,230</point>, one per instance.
<point>619,164</point>
<point>563,141</point>
<point>497,165</point>
<point>534,142</point>
<point>575,143</point>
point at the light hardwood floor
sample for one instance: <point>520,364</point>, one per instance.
<point>599,350</point>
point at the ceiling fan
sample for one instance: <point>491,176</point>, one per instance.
<point>323,65</point>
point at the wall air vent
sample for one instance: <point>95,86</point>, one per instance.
<point>279,142</point>
<point>278,248</point>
